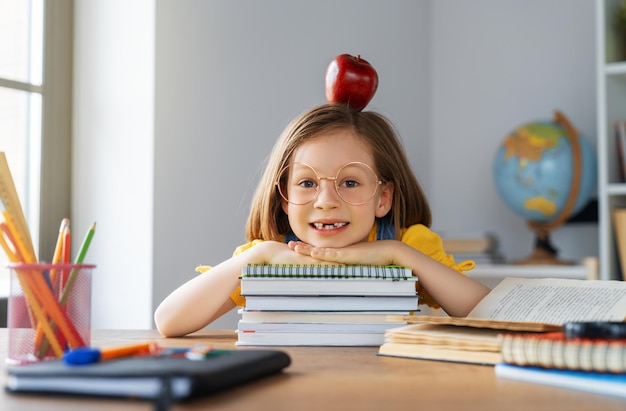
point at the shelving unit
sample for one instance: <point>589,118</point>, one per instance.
<point>492,274</point>
<point>496,271</point>
<point>611,107</point>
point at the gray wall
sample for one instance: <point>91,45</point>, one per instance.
<point>230,75</point>
<point>496,65</point>
<point>225,77</point>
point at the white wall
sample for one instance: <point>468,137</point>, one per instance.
<point>113,155</point>
<point>177,104</point>
<point>229,77</point>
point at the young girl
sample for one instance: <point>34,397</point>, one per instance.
<point>338,189</point>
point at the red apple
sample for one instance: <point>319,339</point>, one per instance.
<point>350,80</point>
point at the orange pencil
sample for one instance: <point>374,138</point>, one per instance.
<point>41,317</point>
<point>52,307</point>
<point>66,252</point>
<point>88,355</point>
<point>13,254</point>
<point>34,307</point>
<point>43,295</point>
<point>56,259</point>
<point>23,251</point>
<point>58,249</point>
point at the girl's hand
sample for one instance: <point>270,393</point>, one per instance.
<point>274,252</point>
<point>381,252</point>
<point>456,293</point>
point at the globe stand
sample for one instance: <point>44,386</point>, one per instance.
<point>544,253</point>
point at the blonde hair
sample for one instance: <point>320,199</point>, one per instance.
<point>268,221</point>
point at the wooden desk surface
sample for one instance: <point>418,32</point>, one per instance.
<point>327,378</point>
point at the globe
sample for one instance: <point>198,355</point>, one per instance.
<point>545,172</point>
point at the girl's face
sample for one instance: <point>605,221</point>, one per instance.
<point>328,220</point>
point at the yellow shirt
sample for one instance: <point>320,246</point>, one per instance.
<point>417,236</point>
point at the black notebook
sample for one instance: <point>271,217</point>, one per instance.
<point>147,377</point>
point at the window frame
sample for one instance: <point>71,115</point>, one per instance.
<point>56,123</point>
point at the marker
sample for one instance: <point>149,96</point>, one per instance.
<point>607,330</point>
<point>90,355</point>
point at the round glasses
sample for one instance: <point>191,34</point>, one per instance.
<point>356,183</point>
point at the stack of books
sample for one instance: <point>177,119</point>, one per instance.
<point>515,305</point>
<point>482,247</point>
<point>597,365</point>
<point>323,304</point>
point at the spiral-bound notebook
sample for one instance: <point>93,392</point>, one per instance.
<point>327,280</point>
<point>387,272</point>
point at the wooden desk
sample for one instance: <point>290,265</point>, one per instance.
<point>326,378</point>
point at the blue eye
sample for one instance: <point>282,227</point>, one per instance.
<point>307,184</point>
<point>350,183</point>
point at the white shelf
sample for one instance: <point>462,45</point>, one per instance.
<point>615,69</point>
<point>497,271</point>
<point>611,107</point>
<point>616,189</point>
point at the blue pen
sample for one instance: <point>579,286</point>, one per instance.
<point>91,355</point>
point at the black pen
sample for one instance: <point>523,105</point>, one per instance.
<point>607,330</point>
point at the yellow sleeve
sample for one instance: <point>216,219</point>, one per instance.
<point>236,296</point>
<point>428,242</point>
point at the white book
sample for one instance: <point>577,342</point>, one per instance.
<point>332,303</point>
<point>249,326</point>
<point>327,286</point>
<point>318,316</point>
<point>310,338</point>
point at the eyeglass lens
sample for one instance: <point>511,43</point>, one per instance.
<point>355,183</point>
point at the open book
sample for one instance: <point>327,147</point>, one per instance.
<point>543,304</point>
<point>515,305</point>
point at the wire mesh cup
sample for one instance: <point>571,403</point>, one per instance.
<point>49,310</point>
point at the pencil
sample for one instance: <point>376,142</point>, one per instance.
<point>21,248</point>
<point>54,273</point>
<point>82,252</point>
<point>38,294</point>
<point>58,249</point>
<point>66,244</point>
<point>11,254</point>
<point>66,252</point>
<point>88,355</point>
<point>68,286</point>
<point>67,289</point>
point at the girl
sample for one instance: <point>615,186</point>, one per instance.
<point>338,189</point>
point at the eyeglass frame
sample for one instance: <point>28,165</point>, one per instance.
<point>333,179</point>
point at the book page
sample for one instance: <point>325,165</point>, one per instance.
<point>553,301</point>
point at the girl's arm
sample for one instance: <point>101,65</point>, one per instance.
<point>456,293</point>
<point>206,297</point>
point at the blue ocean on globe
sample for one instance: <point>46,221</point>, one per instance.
<point>533,171</point>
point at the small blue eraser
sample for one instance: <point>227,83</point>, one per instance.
<point>82,356</point>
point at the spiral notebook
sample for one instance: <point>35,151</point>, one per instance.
<point>386,272</point>
<point>327,280</point>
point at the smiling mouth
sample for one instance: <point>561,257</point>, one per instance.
<point>321,226</point>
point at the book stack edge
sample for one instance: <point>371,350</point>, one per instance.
<point>320,305</point>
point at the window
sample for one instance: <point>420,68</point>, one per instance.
<point>35,112</point>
